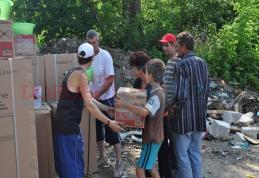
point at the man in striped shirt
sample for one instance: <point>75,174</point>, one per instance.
<point>190,96</point>
<point>166,155</point>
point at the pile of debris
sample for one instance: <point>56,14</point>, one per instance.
<point>63,45</point>
<point>233,112</point>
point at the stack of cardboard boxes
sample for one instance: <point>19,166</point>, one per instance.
<point>18,155</point>
<point>18,142</point>
<point>15,45</point>
<point>26,147</point>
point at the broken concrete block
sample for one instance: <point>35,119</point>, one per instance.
<point>239,138</point>
<point>245,120</point>
<point>231,117</point>
<point>219,129</point>
<point>250,131</point>
<point>249,114</point>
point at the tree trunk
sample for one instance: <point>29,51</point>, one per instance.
<point>131,8</point>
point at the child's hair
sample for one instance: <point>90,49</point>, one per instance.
<point>156,67</point>
<point>139,59</point>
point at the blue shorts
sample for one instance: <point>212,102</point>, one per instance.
<point>108,134</point>
<point>68,153</point>
<point>148,156</point>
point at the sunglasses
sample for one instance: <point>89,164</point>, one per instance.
<point>166,45</point>
<point>92,42</point>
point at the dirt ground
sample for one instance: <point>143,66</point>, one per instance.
<point>219,160</point>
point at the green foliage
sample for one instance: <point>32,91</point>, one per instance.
<point>233,53</point>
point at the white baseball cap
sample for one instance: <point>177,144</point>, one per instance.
<point>85,50</point>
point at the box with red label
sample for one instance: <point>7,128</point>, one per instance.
<point>125,116</point>
<point>25,45</point>
<point>6,39</point>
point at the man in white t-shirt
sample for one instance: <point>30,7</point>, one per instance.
<point>102,89</point>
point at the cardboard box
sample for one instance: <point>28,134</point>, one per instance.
<point>125,116</point>
<point>18,155</point>
<point>25,45</point>
<point>38,70</point>
<point>55,67</point>
<point>88,129</point>
<point>45,142</point>
<point>6,39</point>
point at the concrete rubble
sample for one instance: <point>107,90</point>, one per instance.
<point>250,131</point>
<point>245,120</point>
<point>219,129</point>
<point>231,117</point>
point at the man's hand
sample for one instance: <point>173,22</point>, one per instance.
<point>165,114</point>
<point>96,95</point>
<point>114,125</point>
<point>111,112</point>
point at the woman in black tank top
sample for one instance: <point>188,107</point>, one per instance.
<point>68,142</point>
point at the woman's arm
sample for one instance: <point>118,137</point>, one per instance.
<point>92,108</point>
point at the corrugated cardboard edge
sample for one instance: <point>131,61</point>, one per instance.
<point>14,121</point>
<point>47,126</point>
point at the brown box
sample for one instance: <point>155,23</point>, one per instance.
<point>25,45</point>
<point>45,142</point>
<point>18,155</point>
<point>125,116</point>
<point>55,67</point>
<point>6,39</point>
<point>88,129</point>
<point>38,70</point>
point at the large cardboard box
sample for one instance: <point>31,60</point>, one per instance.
<point>88,129</point>
<point>125,116</point>
<point>25,45</point>
<point>45,142</point>
<point>6,39</point>
<point>55,67</point>
<point>38,70</point>
<point>18,145</point>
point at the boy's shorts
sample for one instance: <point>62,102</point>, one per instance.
<point>148,155</point>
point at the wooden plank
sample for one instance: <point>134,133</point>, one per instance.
<point>216,111</point>
<point>251,140</point>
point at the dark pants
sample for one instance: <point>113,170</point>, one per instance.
<point>166,155</point>
<point>104,131</point>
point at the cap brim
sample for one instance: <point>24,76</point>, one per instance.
<point>163,41</point>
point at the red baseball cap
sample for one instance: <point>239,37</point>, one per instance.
<point>169,37</point>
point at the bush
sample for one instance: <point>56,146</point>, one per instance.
<point>233,53</point>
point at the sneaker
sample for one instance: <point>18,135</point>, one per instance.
<point>104,162</point>
<point>117,172</point>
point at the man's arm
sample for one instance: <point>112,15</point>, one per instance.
<point>173,71</point>
<point>107,84</point>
